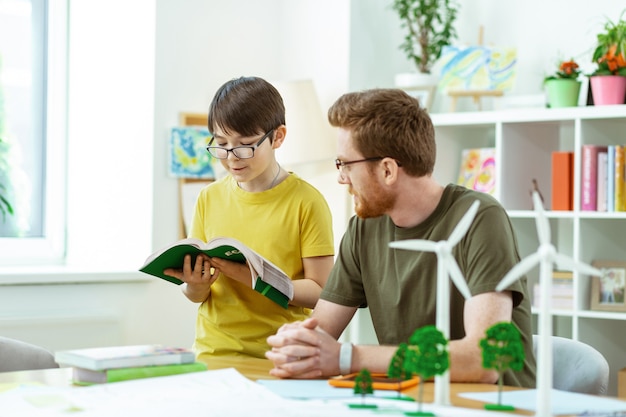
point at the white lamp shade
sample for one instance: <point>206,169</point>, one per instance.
<point>310,137</point>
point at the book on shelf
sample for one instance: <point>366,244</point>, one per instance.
<point>111,357</point>
<point>589,176</point>
<point>602,182</point>
<point>478,169</point>
<point>83,376</point>
<point>620,191</point>
<point>610,179</point>
<point>563,181</point>
<point>266,278</point>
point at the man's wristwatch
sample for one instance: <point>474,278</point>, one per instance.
<point>345,358</point>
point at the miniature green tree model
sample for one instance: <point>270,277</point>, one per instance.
<point>397,367</point>
<point>502,350</point>
<point>363,386</point>
<point>426,356</point>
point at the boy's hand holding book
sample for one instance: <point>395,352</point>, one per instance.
<point>187,261</point>
<point>195,272</point>
<point>198,274</point>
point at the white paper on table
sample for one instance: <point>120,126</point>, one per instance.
<point>223,392</point>
<point>563,402</point>
<point>306,389</point>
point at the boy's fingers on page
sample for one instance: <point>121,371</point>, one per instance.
<point>234,270</point>
<point>188,270</point>
<point>209,273</point>
<point>199,265</point>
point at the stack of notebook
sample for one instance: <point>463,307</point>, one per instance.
<point>121,363</point>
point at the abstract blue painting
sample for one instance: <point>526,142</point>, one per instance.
<point>188,155</point>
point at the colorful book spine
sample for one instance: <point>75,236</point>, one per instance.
<point>563,181</point>
<point>590,177</point>
<point>610,179</point>
<point>620,159</point>
<point>602,190</point>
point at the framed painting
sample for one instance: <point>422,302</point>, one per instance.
<point>188,157</point>
<point>478,67</point>
<point>478,169</point>
<point>607,291</point>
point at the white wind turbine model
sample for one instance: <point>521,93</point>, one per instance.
<point>546,256</point>
<point>446,267</point>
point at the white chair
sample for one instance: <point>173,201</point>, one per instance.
<point>577,367</point>
<point>16,355</point>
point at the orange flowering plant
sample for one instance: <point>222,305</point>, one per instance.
<point>566,70</point>
<point>610,54</point>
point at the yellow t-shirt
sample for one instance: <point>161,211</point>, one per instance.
<point>284,224</point>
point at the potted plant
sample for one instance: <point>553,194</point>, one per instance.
<point>608,81</point>
<point>429,28</point>
<point>563,87</point>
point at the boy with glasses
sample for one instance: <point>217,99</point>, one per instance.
<point>274,212</point>
<point>386,156</point>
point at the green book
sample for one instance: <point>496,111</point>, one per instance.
<point>82,376</point>
<point>266,278</point>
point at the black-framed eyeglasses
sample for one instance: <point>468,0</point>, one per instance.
<point>341,164</point>
<point>241,152</point>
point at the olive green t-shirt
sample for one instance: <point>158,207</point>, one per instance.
<point>400,286</point>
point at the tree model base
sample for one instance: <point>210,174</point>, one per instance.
<point>499,407</point>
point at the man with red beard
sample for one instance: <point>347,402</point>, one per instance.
<point>386,156</point>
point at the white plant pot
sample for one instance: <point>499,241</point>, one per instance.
<point>415,79</point>
<point>421,86</point>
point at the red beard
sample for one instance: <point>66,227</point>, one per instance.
<point>372,201</point>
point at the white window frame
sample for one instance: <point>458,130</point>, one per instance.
<point>50,248</point>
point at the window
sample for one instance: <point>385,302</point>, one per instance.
<point>33,38</point>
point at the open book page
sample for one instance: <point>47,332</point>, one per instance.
<point>260,267</point>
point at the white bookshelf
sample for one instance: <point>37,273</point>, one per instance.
<point>524,140</point>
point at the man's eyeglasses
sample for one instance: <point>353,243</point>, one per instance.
<point>241,152</point>
<point>342,164</point>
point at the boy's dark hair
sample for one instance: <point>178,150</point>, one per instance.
<point>246,105</point>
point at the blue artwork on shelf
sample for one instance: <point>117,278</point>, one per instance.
<point>478,68</point>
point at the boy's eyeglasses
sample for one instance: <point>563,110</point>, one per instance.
<point>240,152</point>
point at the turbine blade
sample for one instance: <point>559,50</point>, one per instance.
<point>464,224</point>
<point>414,244</point>
<point>518,270</point>
<point>457,276</point>
<point>542,222</point>
<point>566,262</point>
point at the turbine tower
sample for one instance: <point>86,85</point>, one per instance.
<point>545,257</point>
<point>447,268</point>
